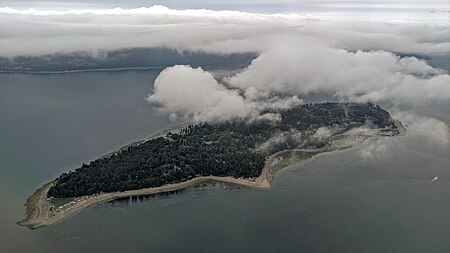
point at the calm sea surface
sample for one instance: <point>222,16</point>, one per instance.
<point>377,198</point>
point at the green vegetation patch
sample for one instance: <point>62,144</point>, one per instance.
<point>291,158</point>
<point>57,202</point>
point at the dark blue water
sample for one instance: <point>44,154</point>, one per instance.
<point>377,198</point>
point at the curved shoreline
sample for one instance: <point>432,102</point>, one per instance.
<point>304,155</point>
<point>40,212</point>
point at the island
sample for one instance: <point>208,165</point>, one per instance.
<point>249,153</point>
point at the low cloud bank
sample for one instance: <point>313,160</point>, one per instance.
<point>214,31</point>
<point>377,149</point>
<point>280,77</point>
<point>426,132</point>
<point>299,68</point>
<point>430,131</point>
<point>192,93</point>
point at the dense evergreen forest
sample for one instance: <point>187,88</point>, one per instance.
<point>237,149</point>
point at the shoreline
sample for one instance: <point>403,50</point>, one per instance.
<point>44,72</point>
<point>41,212</point>
<point>304,155</point>
<point>106,70</point>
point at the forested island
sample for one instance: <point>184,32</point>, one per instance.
<point>240,152</point>
<point>236,149</point>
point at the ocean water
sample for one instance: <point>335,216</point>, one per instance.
<point>379,197</point>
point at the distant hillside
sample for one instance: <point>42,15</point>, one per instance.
<point>125,58</point>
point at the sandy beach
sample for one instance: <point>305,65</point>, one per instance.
<point>41,213</point>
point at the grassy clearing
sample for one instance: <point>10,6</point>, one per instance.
<point>57,202</point>
<point>291,158</point>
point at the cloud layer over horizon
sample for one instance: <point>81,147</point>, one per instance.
<point>353,57</point>
<point>21,30</point>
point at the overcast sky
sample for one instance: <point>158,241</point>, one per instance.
<point>245,5</point>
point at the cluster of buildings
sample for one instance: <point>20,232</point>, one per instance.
<point>53,209</point>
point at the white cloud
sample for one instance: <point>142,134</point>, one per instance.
<point>376,149</point>
<point>301,67</point>
<point>294,68</point>
<point>194,93</point>
<point>211,31</point>
<point>428,131</point>
<point>323,133</point>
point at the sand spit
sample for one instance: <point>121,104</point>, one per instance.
<point>40,211</point>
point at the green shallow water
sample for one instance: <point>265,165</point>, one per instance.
<point>340,202</point>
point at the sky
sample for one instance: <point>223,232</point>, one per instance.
<point>242,5</point>
<point>354,50</point>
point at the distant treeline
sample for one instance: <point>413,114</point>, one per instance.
<point>221,149</point>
